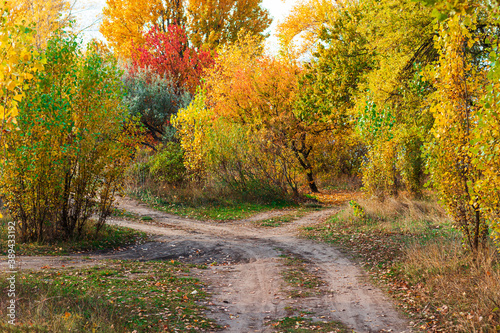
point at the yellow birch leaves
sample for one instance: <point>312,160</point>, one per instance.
<point>16,65</point>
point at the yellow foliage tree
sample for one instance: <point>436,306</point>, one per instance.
<point>256,96</point>
<point>364,64</point>
<point>15,55</point>
<point>217,22</point>
<point>458,81</point>
<point>126,21</point>
<point>208,22</point>
<point>193,124</point>
<point>65,156</point>
<point>47,16</point>
<point>16,67</point>
<point>300,32</point>
<point>485,144</point>
<point>17,64</point>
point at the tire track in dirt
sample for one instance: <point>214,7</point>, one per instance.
<point>249,291</point>
<point>246,283</point>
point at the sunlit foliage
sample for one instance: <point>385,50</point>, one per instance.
<point>46,16</point>
<point>66,154</point>
<point>170,55</point>
<point>208,23</point>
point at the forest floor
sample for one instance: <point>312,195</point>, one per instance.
<point>261,275</point>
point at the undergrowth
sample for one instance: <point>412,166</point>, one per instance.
<point>221,208</point>
<point>109,237</point>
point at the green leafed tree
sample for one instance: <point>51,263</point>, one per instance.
<point>66,155</point>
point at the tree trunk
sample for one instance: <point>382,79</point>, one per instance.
<point>302,155</point>
<point>311,181</point>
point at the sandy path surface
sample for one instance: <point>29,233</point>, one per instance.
<point>247,282</point>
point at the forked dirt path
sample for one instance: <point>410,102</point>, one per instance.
<point>245,277</point>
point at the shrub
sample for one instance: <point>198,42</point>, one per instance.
<point>66,155</point>
<point>168,164</point>
<point>217,151</point>
<point>154,100</point>
<point>359,212</point>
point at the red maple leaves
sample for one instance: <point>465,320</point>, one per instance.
<point>170,54</point>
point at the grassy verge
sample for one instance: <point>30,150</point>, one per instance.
<point>412,250</point>
<point>120,297</point>
<point>222,209</point>
<point>287,218</point>
<point>109,237</point>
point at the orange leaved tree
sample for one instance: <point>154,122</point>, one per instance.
<point>261,92</point>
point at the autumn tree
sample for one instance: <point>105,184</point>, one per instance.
<point>299,33</point>
<point>365,70</point>
<point>485,143</point>
<point>24,27</point>
<point>17,62</point>
<point>218,22</point>
<point>194,124</point>
<point>331,78</point>
<point>208,23</point>
<point>162,78</point>
<point>16,69</point>
<point>125,22</point>
<point>169,54</point>
<point>218,150</point>
<point>259,95</point>
<point>66,154</point>
<point>458,77</point>
<point>153,99</point>
<point>46,16</point>
<point>391,105</point>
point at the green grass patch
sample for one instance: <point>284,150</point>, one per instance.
<point>275,221</point>
<point>287,218</point>
<point>300,324</point>
<point>300,277</point>
<point>123,296</point>
<point>222,209</point>
<point>117,212</point>
<point>377,240</point>
<point>109,237</point>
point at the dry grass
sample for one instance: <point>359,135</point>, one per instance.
<point>461,291</point>
<point>45,315</point>
<point>121,296</point>
<point>401,214</point>
<point>412,249</point>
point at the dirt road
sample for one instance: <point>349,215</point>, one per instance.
<point>246,277</point>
